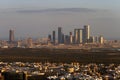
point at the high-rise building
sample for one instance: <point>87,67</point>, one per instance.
<point>67,39</point>
<point>71,38</point>
<point>11,35</point>
<point>75,36</point>
<point>62,40</point>
<point>101,39</point>
<point>59,35</point>
<point>80,36</point>
<point>86,33</point>
<point>54,37</point>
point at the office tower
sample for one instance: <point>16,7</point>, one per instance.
<point>54,37</point>
<point>80,36</point>
<point>75,36</point>
<point>49,38</point>
<point>62,40</point>
<point>11,35</point>
<point>86,33</point>
<point>59,35</point>
<point>101,39</point>
<point>71,38</point>
<point>67,39</point>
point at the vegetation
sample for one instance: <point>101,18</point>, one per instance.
<point>58,55</point>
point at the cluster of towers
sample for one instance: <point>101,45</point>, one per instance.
<point>80,36</point>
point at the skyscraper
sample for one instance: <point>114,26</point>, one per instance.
<point>101,39</point>
<point>11,35</point>
<point>75,36</point>
<point>59,35</point>
<point>67,39</point>
<point>86,35</point>
<point>71,38</point>
<point>53,37</point>
<point>80,36</point>
<point>62,40</point>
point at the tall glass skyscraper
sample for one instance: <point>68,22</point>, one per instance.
<point>54,37</point>
<point>11,35</point>
<point>80,36</point>
<point>75,36</point>
<point>59,35</point>
<point>71,38</point>
<point>86,33</point>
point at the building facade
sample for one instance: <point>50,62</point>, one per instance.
<point>86,33</point>
<point>11,36</point>
<point>71,38</point>
<point>75,36</point>
<point>59,35</point>
<point>54,38</point>
<point>80,36</point>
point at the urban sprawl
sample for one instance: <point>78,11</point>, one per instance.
<point>58,71</point>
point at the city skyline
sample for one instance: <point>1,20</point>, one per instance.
<point>57,34</point>
<point>80,36</point>
<point>36,18</point>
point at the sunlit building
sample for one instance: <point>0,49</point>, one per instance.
<point>80,36</point>
<point>71,38</point>
<point>75,36</point>
<point>86,33</point>
<point>101,39</point>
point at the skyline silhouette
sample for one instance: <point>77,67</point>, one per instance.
<point>37,17</point>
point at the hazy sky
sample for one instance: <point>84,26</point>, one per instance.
<point>38,18</point>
